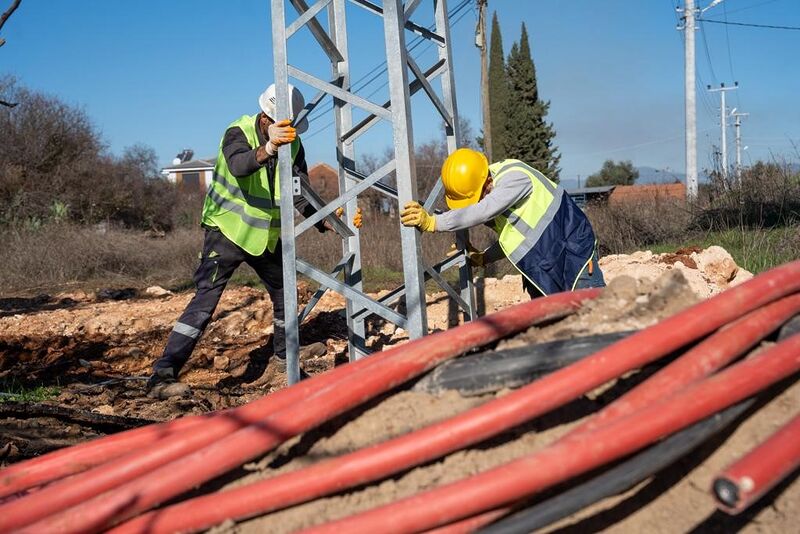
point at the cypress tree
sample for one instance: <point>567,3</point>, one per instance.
<point>498,92</point>
<point>528,137</point>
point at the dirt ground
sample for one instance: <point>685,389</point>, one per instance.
<point>97,348</point>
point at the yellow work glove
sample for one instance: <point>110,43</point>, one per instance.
<point>474,256</point>
<point>358,218</point>
<point>415,215</point>
<point>280,133</point>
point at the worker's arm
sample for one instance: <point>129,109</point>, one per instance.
<point>514,187</point>
<point>239,155</point>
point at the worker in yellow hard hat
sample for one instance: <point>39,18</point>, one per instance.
<point>541,230</point>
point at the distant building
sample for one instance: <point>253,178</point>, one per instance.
<point>584,195</point>
<point>629,193</point>
<point>193,175</point>
<point>324,180</point>
<point>616,194</point>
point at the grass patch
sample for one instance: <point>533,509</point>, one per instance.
<point>756,250</point>
<point>15,392</point>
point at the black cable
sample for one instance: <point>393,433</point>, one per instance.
<point>768,26</point>
<point>730,56</point>
<point>708,54</point>
<point>620,478</point>
<point>490,371</point>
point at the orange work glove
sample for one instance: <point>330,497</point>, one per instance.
<point>280,133</point>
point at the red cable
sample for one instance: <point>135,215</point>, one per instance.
<point>485,421</point>
<point>567,459</point>
<point>136,492</point>
<point>747,480</point>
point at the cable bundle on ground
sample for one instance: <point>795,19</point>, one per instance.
<point>178,456</point>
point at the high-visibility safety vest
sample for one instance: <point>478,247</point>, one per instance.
<point>545,235</point>
<point>246,210</point>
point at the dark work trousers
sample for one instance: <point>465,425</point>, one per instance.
<point>585,280</point>
<point>219,260</point>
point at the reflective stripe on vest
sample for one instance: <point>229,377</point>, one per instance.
<point>246,210</point>
<point>529,219</point>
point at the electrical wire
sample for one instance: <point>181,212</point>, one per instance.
<point>768,26</point>
<point>456,14</point>
<point>700,86</point>
<point>708,54</point>
<point>752,6</point>
<point>730,56</point>
<point>377,71</point>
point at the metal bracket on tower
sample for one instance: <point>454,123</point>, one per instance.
<point>405,77</point>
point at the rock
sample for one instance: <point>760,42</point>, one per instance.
<point>313,350</point>
<point>157,291</point>
<point>174,389</point>
<point>116,294</point>
<point>104,409</point>
<point>221,363</point>
<point>716,264</point>
<point>388,329</point>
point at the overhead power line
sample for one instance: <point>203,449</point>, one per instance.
<point>768,26</point>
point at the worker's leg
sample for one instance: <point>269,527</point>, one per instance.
<point>591,276</point>
<point>219,260</point>
<point>269,267</point>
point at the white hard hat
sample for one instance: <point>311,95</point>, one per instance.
<point>267,103</point>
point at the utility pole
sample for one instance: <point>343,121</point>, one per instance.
<point>738,117</point>
<point>723,124</point>
<point>481,42</point>
<point>689,13</point>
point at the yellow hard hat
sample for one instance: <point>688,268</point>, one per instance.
<point>463,174</point>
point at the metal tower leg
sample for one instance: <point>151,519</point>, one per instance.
<point>352,182</point>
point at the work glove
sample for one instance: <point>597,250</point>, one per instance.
<point>357,218</point>
<point>415,215</point>
<point>280,133</point>
<point>475,257</point>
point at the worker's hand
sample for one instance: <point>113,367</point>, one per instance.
<point>280,133</point>
<point>475,257</point>
<point>357,218</point>
<point>415,215</point>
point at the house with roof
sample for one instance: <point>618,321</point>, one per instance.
<point>190,175</point>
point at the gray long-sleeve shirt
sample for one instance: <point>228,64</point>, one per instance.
<point>241,160</point>
<point>514,187</point>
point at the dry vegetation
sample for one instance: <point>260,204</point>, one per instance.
<point>74,216</point>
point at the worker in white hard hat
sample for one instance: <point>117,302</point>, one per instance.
<point>241,217</point>
<point>541,230</point>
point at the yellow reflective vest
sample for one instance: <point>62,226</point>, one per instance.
<point>545,235</point>
<point>246,210</point>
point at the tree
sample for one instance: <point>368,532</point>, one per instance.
<point>498,92</point>
<point>3,18</point>
<point>528,137</point>
<point>613,173</point>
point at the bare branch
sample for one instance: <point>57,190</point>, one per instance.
<point>4,17</point>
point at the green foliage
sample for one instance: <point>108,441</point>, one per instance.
<point>528,136</point>
<point>13,391</point>
<point>55,167</point>
<point>498,92</point>
<point>614,173</point>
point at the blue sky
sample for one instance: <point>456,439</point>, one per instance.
<point>174,74</point>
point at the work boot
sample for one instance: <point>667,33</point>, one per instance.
<point>163,375</point>
<point>162,385</point>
